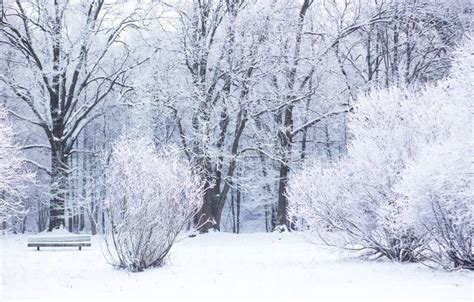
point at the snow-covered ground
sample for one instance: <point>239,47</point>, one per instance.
<point>223,267</point>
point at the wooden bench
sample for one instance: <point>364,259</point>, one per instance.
<point>59,241</point>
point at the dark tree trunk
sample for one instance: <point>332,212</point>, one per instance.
<point>232,211</point>
<point>58,188</point>
<point>241,122</point>
<point>395,53</point>
<point>205,217</point>
<point>368,56</point>
<point>266,213</point>
<point>58,157</point>
<point>282,218</point>
<point>286,143</point>
<point>237,210</point>
<point>328,142</point>
<point>285,135</point>
<point>269,217</point>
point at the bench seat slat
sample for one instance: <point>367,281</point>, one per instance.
<point>79,238</point>
<point>56,244</point>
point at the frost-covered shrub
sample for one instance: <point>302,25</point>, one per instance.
<point>348,209</point>
<point>437,185</point>
<point>150,195</point>
<point>356,198</point>
<point>438,191</point>
<point>13,175</point>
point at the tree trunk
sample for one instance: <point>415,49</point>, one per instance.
<point>242,121</point>
<point>237,210</point>
<point>58,187</point>
<point>328,142</point>
<point>282,199</point>
<point>285,135</point>
<point>58,158</point>
<point>205,218</point>
<point>266,213</point>
<point>232,211</point>
<point>395,54</point>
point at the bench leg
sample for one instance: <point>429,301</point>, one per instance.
<point>80,248</point>
<point>37,248</point>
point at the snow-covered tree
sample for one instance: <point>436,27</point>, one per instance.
<point>247,89</point>
<point>13,174</point>
<point>150,195</point>
<point>67,59</point>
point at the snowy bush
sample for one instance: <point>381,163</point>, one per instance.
<point>13,175</point>
<point>348,209</point>
<point>437,185</point>
<point>150,195</point>
<point>357,198</point>
<point>438,189</point>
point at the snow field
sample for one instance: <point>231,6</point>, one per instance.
<point>223,267</point>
